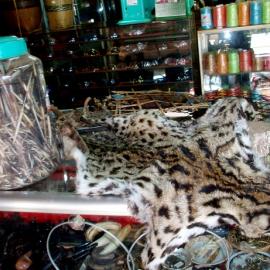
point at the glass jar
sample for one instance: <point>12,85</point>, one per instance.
<point>29,143</point>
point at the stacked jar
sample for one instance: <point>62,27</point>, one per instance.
<point>29,142</point>
<point>236,14</point>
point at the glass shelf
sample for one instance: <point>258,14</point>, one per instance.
<point>235,58</point>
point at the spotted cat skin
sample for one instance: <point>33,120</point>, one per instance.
<point>182,179</point>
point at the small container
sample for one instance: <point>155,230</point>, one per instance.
<point>249,261</point>
<point>60,14</point>
<point>211,95</point>
<point>266,11</point>
<point>178,260</point>
<point>243,14</point>
<point>258,63</point>
<point>255,12</point>
<point>245,58</point>
<point>207,250</point>
<point>233,59</point>
<point>232,15</point>
<point>222,62</point>
<point>267,63</point>
<point>28,140</point>
<point>234,92</point>
<point>219,16</point>
<point>210,63</point>
<point>206,18</point>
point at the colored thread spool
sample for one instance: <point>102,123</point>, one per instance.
<point>222,62</point>
<point>234,92</point>
<point>206,18</point>
<point>233,59</point>
<point>219,16</point>
<point>267,63</point>
<point>211,63</point>
<point>232,15</point>
<point>243,13</point>
<point>258,63</point>
<point>266,11</point>
<point>255,12</point>
<point>222,93</point>
<point>211,95</point>
<point>245,58</point>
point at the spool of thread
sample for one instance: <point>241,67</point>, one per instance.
<point>267,63</point>
<point>232,15</point>
<point>206,18</point>
<point>243,13</point>
<point>266,11</point>
<point>258,63</point>
<point>211,95</point>
<point>211,63</point>
<point>234,91</point>
<point>222,62</point>
<point>222,93</point>
<point>245,59</point>
<point>219,16</point>
<point>255,12</point>
<point>233,60</point>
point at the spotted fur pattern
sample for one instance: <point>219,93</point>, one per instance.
<point>181,180</point>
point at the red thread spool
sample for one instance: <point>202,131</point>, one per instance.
<point>219,16</point>
<point>245,59</point>
<point>267,63</point>
<point>211,95</point>
<point>258,63</point>
<point>234,91</point>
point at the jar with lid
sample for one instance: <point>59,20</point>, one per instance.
<point>29,144</point>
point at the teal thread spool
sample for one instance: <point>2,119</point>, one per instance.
<point>206,18</point>
<point>255,12</point>
<point>233,59</point>
<point>266,11</point>
<point>232,15</point>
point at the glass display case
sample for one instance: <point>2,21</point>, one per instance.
<point>87,51</point>
<point>94,60</point>
<point>235,62</point>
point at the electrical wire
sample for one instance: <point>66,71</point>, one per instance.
<point>129,255</point>
<point>130,260</point>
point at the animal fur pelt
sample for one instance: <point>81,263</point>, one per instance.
<point>181,179</point>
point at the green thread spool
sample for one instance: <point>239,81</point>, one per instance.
<point>266,11</point>
<point>232,15</point>
<point>233,59</point>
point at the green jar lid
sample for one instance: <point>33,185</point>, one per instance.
<point>12,46</point>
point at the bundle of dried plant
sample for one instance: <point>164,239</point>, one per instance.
<point>29,144</point>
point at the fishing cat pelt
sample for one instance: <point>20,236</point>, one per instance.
<point>181,180</point>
